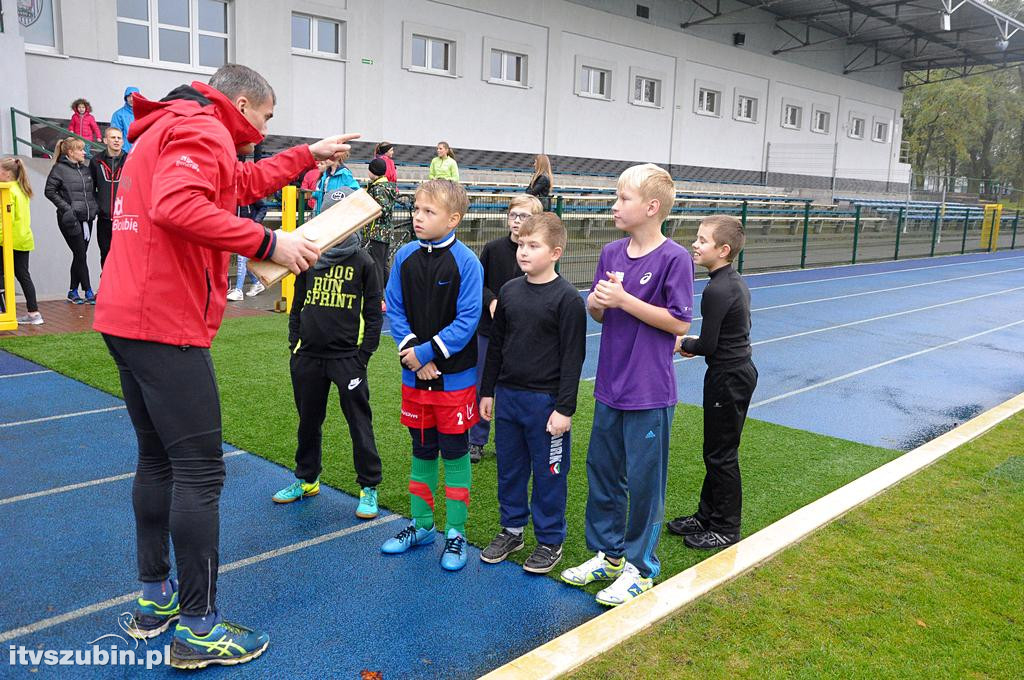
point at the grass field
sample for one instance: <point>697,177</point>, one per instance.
<point>783,468</point>
<point>924,581</point>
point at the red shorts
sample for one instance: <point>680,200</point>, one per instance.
<point>450,412</point>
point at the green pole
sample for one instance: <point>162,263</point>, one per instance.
<point>935,231</point>
<point>558,206</point>
<point>963,241</point>
<point>1016,219</point>
<point>803,246</point>
<point>856,232</point>
<point>899,232</point>
<point>743,221</point>
<point>992,231</point>
<point>14,131</point>
<point>300,208</point>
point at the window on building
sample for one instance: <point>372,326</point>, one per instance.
<point>433,55</point>
<point>36,21</point>
<point>856,130</point>
<point>791,116</point>
<point>646,91</point>
<point>316,36</point>
<point>508,67</point>
<point>746,108</point>
<point>822,121</point>
<point>190,33</point>
<point>880,132</point>
<point>709,102</point>
<point>595,82</point>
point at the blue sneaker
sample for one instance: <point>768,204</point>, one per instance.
<point>367,508</point>
<point>74,298</point>
<point>454,556</point>
<point>407,538</point>
<point>90,297</point>
<point>296,491</point>
<point>226,644</point>
<point>150,619</point>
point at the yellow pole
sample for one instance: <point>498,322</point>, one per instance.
<point>288,202</point>
<point>9,318</point>
<point>997,220</point>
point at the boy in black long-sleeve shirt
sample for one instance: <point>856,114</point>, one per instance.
<point>534,361</point>
<point>729,383</point>
<point>333,329</point>
<point>498,259</point>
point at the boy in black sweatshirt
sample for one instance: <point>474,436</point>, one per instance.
<point>729,383</point>
<point>498,259</point>
<point>538,342</point>
<point>333,329</point>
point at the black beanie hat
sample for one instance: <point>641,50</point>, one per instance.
<point>378,167</point>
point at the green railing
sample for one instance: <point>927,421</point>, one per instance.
<point>95,146</point>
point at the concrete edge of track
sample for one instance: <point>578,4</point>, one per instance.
<point>585,642</point>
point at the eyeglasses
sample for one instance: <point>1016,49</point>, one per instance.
<point>519,217</point>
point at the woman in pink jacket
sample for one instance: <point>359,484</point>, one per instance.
<point>82,122</point>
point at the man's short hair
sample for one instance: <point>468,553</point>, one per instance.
<point>726,230</point>
<point>112,129</point>
<point>548,226</point>
<point>235,80</point>
<point>526,201</point>
<point>451,195</point>
<point>653,183</point>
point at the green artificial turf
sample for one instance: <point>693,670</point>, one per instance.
<point>783,468</point>
<point>921,582</point>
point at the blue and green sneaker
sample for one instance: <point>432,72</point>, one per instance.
<point>367,508</point>
<point>150,619</point>
<point>226,644</point>
<point>407,538</point>
<point>297,490</point>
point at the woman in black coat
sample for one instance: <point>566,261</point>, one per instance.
<point>69,187</point>
<point>540,183</point>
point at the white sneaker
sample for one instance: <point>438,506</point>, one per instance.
<point>597,568</point>
<point>255,289</point>
<point>628,585</point>
<point>31,319</point>
<point>235,295</point>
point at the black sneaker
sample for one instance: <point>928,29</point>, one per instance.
<point>710,540</point>
<point>503,545</point>
<point>476,452</point>
<point>543,559</point>
<point>686,526</point>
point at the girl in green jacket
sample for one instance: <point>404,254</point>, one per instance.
<point>443,166</point>
<point>13,170</point>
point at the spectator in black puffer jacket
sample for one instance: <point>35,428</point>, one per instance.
<point>69,187</point>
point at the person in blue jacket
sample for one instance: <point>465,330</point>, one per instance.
<point>335,176</point>
<point>125,116</point>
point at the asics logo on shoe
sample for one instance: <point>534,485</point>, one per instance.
<point>354,383</point>
<point>223,646</point>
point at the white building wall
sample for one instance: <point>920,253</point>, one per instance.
<point>370,92</point>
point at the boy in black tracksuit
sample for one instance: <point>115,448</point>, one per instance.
<point>534,361</point>
<point>729,383</point>
<point>333,329</point>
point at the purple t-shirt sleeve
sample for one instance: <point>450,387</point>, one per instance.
<point>679,289</point>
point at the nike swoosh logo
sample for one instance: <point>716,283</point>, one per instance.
<point>443,283</point>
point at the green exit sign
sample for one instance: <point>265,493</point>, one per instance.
<point>368,62</point>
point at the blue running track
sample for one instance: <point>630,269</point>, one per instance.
<point>890,354</point>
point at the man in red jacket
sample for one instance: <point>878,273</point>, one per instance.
<point>164,286</point>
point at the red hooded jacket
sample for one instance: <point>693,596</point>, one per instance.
<point>174,222</point>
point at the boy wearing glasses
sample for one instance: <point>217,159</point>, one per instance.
<point>500,266</point>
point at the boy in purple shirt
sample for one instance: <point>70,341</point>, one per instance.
<point>643,296</point>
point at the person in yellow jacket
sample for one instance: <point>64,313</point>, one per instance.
<point>443,165</point>
<point>13,170</point>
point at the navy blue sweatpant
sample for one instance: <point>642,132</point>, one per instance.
<point>627,465</point>
<point>524,445</point>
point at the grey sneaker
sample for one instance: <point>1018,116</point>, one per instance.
<point>686,526</point>
<point>503,545</point>
<point>476,453</point>
<point>710,540</point>
<point>543,559</point>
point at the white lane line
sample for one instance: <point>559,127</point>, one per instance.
<point>130,597</point>
<point>862,293</point>
<point>572,649</point>
<point>22,375</point>
<point>881,364</point>
<point>62,416</point>
<point>84,485</point>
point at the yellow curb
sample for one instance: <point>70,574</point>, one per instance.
<point>579,645</point>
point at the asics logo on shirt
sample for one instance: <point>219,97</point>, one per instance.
<point>645,278</point>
